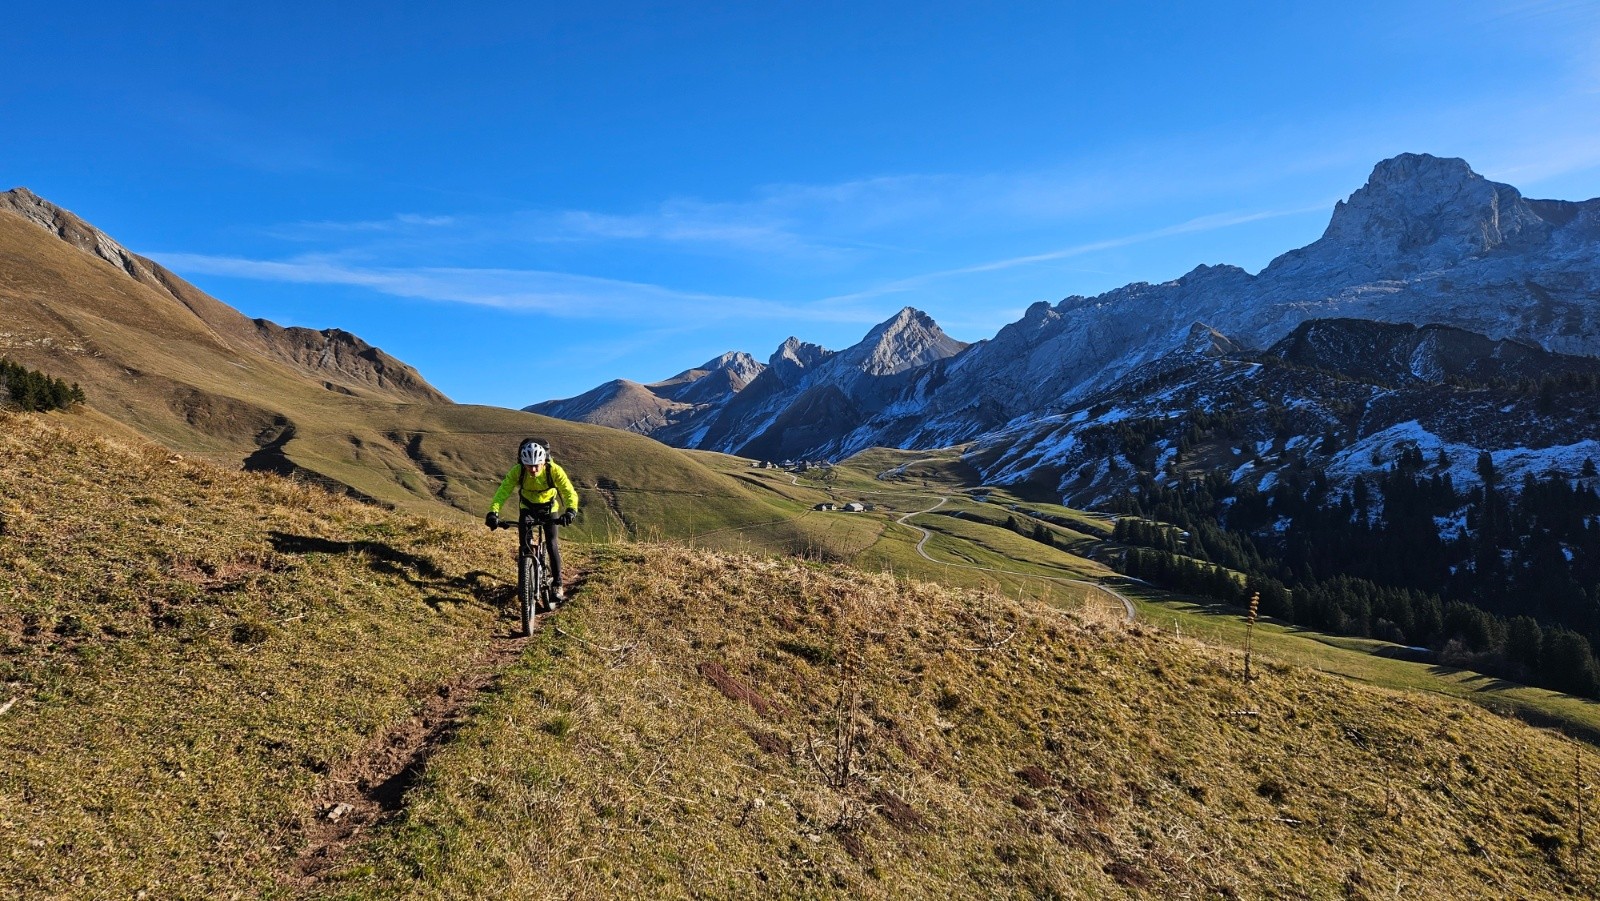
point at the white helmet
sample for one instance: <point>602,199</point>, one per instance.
<point>533,453</point>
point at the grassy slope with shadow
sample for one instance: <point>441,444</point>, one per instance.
<point>194,653</point>
<point>197,656</point>
<point>682,735</point>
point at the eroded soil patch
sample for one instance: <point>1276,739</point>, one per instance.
<point>734,689</point>
<point>370,788</point>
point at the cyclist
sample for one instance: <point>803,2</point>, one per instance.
<point>541,481</point>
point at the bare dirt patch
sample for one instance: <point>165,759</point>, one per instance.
<point>769,742</point>
<point>853,845</point>
<point>735,689</point>
<point>370,787</point>
<point>900,815</point>
<point>1035,776</point>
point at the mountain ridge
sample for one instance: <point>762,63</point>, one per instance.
<point>330,354</point>
<point>1426,240</point>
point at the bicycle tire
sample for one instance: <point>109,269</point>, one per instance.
<point>531,574</point>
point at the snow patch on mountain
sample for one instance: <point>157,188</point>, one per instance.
<point>1511,464</point>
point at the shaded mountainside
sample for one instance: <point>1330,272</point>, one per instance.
<point>1343,397</point>
<point>1426,241</point>
<point>1403,354</point>
<point>692,724</point>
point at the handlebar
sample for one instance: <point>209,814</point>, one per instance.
<point>532,518</point>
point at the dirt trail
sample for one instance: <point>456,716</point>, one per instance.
<point>1127,605</point>
<point>369,788</point>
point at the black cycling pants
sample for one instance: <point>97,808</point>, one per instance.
<point>554,549</point>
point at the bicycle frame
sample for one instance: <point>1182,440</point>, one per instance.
<point>534,588</point>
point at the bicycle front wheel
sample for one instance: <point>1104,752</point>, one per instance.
<point>531,576</point>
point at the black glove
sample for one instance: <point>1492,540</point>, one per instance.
<point>566,517</point>
<point>492,520</point>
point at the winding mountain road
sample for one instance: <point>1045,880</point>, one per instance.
<point>794,479</point>
<point>1127,605</point>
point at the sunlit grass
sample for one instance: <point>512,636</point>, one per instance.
<point>195,663</point>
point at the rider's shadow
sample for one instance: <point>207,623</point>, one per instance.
<point>414,568</point>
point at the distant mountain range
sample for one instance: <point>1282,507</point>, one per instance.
<point>1512,283</point>
<point>1435,313</point>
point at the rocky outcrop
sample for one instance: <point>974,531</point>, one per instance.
<point>1416,213</point>
<point>345,360</point>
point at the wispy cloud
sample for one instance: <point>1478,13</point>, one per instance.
<point>558,294</point>
<point>862,218</point>
<point>238,137</point>
<point>1199,224</point>
<point>396,224</point>
<point>746,229</point>
<point>569,295</point>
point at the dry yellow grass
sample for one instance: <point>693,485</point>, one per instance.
<point>198,659</point>
<point>188,654</point>
<point>683,734</point>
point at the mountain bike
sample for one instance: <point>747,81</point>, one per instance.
<point>535,587</point>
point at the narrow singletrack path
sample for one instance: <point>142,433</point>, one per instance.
<point>369,788</point>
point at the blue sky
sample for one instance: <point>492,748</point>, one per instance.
<point>524,200</point>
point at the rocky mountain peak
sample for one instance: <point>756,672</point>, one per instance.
<point>794,357</point>
<point>1205,273</point>
<point>740,366</point>
<point>72,229</point>
<point>347,360</point>
<point>1207,341</point>
<point>1430,210</point>
<point>908,339</point>
<point>1408,170</point>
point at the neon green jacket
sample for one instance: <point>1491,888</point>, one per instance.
<point>538,489</point>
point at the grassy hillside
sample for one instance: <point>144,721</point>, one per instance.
<point>191,654</point>
<point>203,666</point>
<point>741,728</point>
<point>1365,659</point>
<point>192,376</point>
